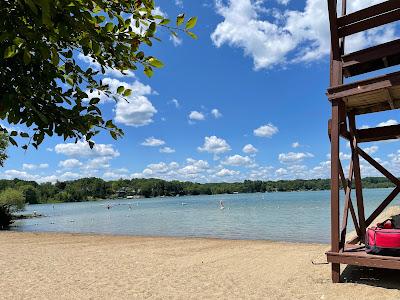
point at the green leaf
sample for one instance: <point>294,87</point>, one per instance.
<point>54,57</point>
<point>24,134</point>
<point>165,22</point>
<point>27,57</point>
<point>120,89</point>
<point>13,133</point>
<point>10,51</point>
<point>180,19</point>
<point>148,71</point>
<point>191,23</point>
<point>127,92</point>
<point>109,27</point>
<point>191,34</point>
<point>155,62</point>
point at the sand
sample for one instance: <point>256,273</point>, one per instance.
<point>71,266</point>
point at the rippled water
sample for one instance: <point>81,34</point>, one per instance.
<point>291,216</point>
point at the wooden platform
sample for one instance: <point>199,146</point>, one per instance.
<point>368,96</point>
<point>355,255</point>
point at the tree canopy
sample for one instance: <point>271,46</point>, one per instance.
<point>3,148</point>
<point>43,86</point>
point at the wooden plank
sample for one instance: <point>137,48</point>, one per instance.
<point>379,133</point>
<point>366,260</point>
<point>368,12</point>
<point>363,86</point>
<point>357,176</point>
<point>370,23</point>
<point>372,59</point>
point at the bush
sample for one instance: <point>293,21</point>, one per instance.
<point>6,218</point>
<point>11,200</point>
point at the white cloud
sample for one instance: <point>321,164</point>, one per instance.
<point>266,130</point>
<point>179,3</point>
<point>167,150</point>
<point>175,102</point>
<point>34,167</point>
<point>196,116</point>
<point>282,36</point>
<point>176,41</point>
<point>216,113</point>
<point>294,157</point>
<point>295,145</point>
<point>82,148</point>
<point>215,145</point>
<point>388,123</point>
<point>49,149</point>
<point>371,150</point>
<point>249,149</point>
<point>227,172</point>
<point>108,71</point>
<point>153,142</point>
<point>237,161</point>
<point>136,110</point>
<point>70,163</point>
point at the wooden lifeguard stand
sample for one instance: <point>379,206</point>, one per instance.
<point>348,100</point>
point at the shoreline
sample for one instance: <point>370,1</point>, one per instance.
<point>77,266</point>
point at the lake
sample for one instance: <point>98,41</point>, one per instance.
<point>280,216</point>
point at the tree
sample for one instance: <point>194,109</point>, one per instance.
<point>11,200</point>
<point>3,147</point>
<point>31,194</point>
<point>42,85</point>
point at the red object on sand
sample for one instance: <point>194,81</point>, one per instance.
<point>383,241</point>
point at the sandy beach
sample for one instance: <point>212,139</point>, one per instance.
<point>72,266</point>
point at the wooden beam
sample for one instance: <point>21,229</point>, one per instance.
<point>368,12</point>
<point>379,167</point>
<point>378,134</point>
<point>370,23</point>
<point>332,10</point>
<point>382,206</point>
<point>357,176</point>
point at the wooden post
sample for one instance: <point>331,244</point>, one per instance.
<point>357,176</point>
<point>335,239</point>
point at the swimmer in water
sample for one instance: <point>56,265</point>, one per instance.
<point>221,204</point>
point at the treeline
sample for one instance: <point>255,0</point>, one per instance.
<point>87,189</point>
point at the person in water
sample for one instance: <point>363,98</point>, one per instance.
<point>221,204</point>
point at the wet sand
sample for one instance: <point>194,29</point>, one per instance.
<point>73,266</point>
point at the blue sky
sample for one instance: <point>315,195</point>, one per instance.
<point>245,101</point>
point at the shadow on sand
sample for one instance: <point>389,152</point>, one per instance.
<point>384,278</point>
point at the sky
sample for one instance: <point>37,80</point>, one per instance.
<point>245,101</point>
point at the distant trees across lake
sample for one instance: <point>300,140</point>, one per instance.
<point>87,189</point>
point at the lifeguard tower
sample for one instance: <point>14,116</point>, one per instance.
<point>371,95</point>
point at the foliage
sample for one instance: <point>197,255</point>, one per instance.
<point>3,147</point>
<point>13,199</point>
<point>94,188</point>
<point>43,87</point>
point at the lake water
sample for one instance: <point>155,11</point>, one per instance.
<point>287,216</point>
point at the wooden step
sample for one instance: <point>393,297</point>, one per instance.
<point>371,59</point>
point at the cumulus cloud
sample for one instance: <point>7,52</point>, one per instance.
<point>266,130</point>
<point>82,148</point>
<point>388,123</point>
<point>215,145</point>
<point>34,167</point>
<point>176,41</point>
<point>153,142</point>
<point>281,36</point>
<point>249,149</point>
<point>70,163</point>
<point>227,172</point>
<point>196,116</point>
<point>175,102</point>
<point>295,145</point>
<point>294,157</point>
<point>108,71</point>
<point>237,161</point>
<point>136,110</point>
<point>167,150</point>
<point>216,113</point>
